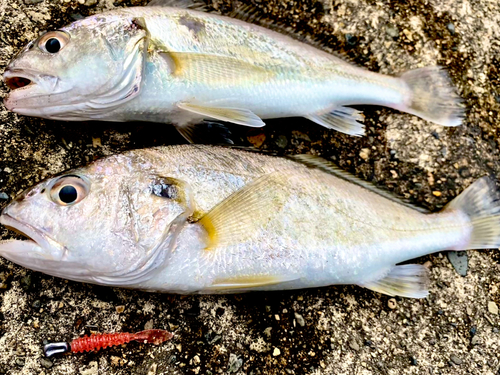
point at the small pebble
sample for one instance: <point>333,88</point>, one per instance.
<point>436,193</point>
<point>3,196</point>
<point>392,31</point>
<point>475,340</point>
<point>351,39</point>
<point>149,324</point>
<point>413,361</point>
<point>451,28</point>
<point>276,352</point>
<point>353,345</point>
<point>392,304</point>
<point>257,140</point>
<point>493,308</point>
<point>281,142</point>
<point>115,361</point>
<point>455,360</point>
<point>364,153</point>
<point>300,320</point>
<point>26,282</point>
<point>234,363</point>
<point>459,260</point>
<point>120,309</point>
<point>46,363</point>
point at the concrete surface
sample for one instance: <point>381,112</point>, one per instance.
<point>336,330</point>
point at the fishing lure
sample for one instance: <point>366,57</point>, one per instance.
<point>104,340</point>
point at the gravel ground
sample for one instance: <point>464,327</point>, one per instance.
<point>336,330</point>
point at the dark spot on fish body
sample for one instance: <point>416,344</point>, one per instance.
<point>192,24</point>
<point>165,188</point>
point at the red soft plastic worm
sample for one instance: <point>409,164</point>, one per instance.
<point>104,340</point>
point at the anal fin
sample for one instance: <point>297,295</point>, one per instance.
<point>342,119</point>
<point>409,280</point>
<point>248,282</point>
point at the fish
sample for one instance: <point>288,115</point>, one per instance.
<point>182,66</point>
<point>209,219</point>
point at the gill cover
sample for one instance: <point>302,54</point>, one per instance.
<point>132,71</point>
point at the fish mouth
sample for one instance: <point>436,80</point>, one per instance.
<point>37,244</point>
<point>16,79</point>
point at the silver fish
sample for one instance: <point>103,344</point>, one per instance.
<point>177,65</point>
<point>198,219</point>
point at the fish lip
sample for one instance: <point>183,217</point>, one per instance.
<point>53,250</point>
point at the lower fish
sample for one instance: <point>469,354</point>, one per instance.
<point>182,66</point>
<point>197,219</point>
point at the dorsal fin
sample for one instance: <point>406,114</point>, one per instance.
<point>248,13</point>
<point>185,4</point>
<point>327,166</point>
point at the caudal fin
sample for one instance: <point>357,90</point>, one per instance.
<point>481,202</point>
<point>432,97</point>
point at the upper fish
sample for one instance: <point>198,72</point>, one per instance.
<point>199,219</point>
<point>181,66</point>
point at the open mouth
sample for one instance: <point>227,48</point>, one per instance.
<point>36,240</point>
<point>17,82</point>
<point>15,79</point>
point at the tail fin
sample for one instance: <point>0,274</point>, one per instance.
<point>481,202</point>
<point>432,96</point>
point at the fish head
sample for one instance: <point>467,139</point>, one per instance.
<point>106,223</point>
<point>79,72</point>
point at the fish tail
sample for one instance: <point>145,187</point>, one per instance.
<point>430,95</point>
<point>481,202</point>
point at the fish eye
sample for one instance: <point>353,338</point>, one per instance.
<point>68,194</point>
<point>69,190</point>
<point>53,45</point>
<point>53,41</point>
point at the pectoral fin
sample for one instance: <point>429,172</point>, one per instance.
<point>241,216</point>
<point>208,133</point>
<point>410,280</point>
<point>247,282</point>
<point>235,115</point>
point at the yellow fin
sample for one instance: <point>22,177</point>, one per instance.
<point>234,115</point>
<point>240,216</point>
<point>246,282</point>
